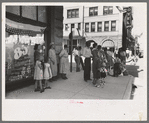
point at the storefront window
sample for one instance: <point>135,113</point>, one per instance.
<point>20,56</point>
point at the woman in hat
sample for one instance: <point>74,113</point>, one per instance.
<point>64,63</point>
<point>53,61</point>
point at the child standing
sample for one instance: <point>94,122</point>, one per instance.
<point>38,74</point>
<point>47,74</point>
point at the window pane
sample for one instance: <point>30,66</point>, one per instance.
<point>69,14</point>
<point>99,28</point>
<point>42,14</point>
<point>92,27</point>
<point>113,25</point>
<point>107,10</point>
<point>86,27</point>
<point>79,26</point>
<point>77,13</point>
<point>73,13</point>
<point>96,11</point>
<point>13,9</point>
<point>66,27</point>
<point>93,11</point>
<point>106,26</point>
<point>72,25</point>
<point>29,12</point>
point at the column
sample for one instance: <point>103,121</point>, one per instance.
<point>103,26</point>
<point>109,26</point>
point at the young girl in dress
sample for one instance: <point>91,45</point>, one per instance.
<point>38,74</point>
<point>47,74</point>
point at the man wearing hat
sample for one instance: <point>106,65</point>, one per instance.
<point>53,61</point>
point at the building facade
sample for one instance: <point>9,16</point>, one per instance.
<point>103,24</point>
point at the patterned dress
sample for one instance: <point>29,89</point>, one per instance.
<point>52,57</point>
<point>38,73</point>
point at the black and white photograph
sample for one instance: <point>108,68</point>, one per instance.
<point>74,61</point>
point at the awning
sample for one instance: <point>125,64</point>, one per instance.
<point>108,43</point>
<point>21,28</point>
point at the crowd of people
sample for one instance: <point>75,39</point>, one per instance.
<point>46,69</point>
<point>104,62</point>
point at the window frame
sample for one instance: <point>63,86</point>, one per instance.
<point>106,27</point>
<point>86,29</point>
<point>73,13</point>
<point>66,27</point>
<point>113,27</point>
<point>79,26</point>
<point>98,29</point>
<point>92,26</point>
<point>108,11</point>
<point>93,9</point>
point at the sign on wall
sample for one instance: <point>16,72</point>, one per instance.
<point>19,62</point>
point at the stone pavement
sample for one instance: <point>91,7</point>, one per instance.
<point>116,88</point>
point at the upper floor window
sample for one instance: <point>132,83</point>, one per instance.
<point>86,27</point>
<point>79,26</point>
<point>93,27</point>
<point>107,10</point>
<point>106,26</point>
<point>93,11</point>
<point>73,13</point>
<point>113,25</point>
<point>99,26</point>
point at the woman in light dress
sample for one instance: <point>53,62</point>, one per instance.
<point>47,74</point>
<point>64,62</point>
<point>53,61</point>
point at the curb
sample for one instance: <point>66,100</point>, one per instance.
<point>127,93</point>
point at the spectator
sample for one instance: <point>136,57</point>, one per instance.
<point>64,62</point>
<point>87,54</point>
<point>53,61</point>
<point>95,60</point>
<point>76,54</point>
<point>81,61</point>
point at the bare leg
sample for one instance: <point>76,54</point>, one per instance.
<point>36,82</point>
<point>46,85</point>
<point>40,84</point>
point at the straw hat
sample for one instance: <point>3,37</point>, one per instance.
<point>51,43</point>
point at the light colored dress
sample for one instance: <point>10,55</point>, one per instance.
<point>38,73</point>
<point>64,62</point>
<point>47,71</point>
<point>52,57</point>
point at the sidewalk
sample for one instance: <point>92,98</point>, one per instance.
<point>140,79</point>
<point>116,88</point>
